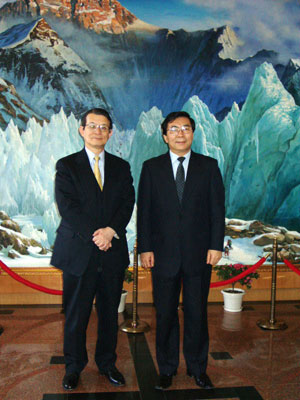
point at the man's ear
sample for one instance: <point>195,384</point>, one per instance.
<point>81,130</point>
<point>110,133</point>
<point>165,138</point>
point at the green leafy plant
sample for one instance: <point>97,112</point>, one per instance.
<point>225,272</point>
<point>128,277</point>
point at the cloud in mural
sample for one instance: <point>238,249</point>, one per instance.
<point>257,21</point>
<point>85,44</point>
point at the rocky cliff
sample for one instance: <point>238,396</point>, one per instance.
<point>46,72</point>
<point>13,107</point>
<point>97,15</point>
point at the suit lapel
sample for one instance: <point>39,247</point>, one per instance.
<point>86,175</point>
<point>168,181</point>
<point>109,179</point>
<point>108,171</point>
<point>192,178</point>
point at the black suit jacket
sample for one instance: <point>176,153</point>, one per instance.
<point>180,235</point>
<point>84,208</point>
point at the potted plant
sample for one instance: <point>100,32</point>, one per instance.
<point>128,277</point>
<point>233,297</point>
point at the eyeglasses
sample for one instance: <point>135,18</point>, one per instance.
<point>176,129</point>
<point>94,127</point>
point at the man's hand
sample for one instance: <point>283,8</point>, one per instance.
<point>102,238</point>
<point>147,259</point>
<point>213,257</point>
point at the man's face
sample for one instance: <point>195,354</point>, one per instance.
<point>96,132</point>
<point>179,136</point>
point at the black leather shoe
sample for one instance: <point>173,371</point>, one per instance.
<point>201,380</point>
<point>114,376</point>
<point>164,381</point>
<point>70,381</point>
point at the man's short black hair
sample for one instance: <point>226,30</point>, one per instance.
<point>174,115</point>
<point>97,111</point>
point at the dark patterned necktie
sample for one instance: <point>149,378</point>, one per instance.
<point>180,178</point>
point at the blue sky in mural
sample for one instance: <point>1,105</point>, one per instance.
<point>275,24</point>
<point>175,14</point>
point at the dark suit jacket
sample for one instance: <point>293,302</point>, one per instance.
<point>84,209</point>
<point>180,235</point>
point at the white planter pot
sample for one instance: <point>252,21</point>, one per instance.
<point>233,301</point>
<point>122,301</point>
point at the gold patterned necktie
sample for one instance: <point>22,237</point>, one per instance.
<point>97,172</point>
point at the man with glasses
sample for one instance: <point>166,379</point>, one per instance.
<point>181,220</point>
<point>95,198</point>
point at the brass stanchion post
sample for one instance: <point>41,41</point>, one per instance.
<point>134,325</point>
<point>272,324</point>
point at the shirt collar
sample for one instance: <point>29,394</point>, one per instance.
<point>174,157</point>
<point>91,155</point>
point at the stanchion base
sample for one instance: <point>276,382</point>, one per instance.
<point>1,329</point>
<point>129,327</point>
<point>274,326</point>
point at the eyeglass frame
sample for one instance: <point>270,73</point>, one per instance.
<point>184,129</point>
<point>102,127</point>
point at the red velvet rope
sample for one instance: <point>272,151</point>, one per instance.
<point>212,285</point>
<point>59,292</point>
<point>28,283</point>
<point>240,276</point>
<point>291,266</point>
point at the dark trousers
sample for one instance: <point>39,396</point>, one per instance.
<point>195,339</point>
<point>79,293</point>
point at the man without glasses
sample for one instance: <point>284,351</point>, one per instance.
<point>95,198</point>
<point>181,220</point>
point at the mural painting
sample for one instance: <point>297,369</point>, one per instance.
<point>234,65</point>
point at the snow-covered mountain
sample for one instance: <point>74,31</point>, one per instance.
<point>46,71</point>
<point>291,79</point>
<point>96,15</point>
<point>13,107</point>
<point>138,66</point>
<point>134,66</point>
<point>132,71</point>
<point>230,44</point>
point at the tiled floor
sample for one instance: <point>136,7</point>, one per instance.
<point>245,362</point>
